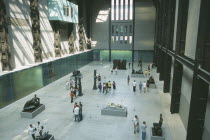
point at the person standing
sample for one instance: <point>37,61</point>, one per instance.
<point>111,70</point>
<point>128,79</point>
<point>116,71</point>
<point>71,82</point>
<point>144,86</point>
<point>76,113</point>
<point>80,111</point>
<point>146,73</point>
<point>148,67</point>
<point>143,129</point>
<point>72,96</point>
<point>75,92</point>
<point>129,64</point>
<point>99,87</point>
<point>99,78</point>
<point>32,131</point>
<point>41,132</point>
<point>114,85</point>
<point>134,86</point>
<point>136,124</point>
<point>140,86</point>
<point>67,85</point>
<point>109,85</point>
<point>38,128</point>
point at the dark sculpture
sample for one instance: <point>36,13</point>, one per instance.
<point>151,80</point>
<point>45,136</point>
<point>137,72</point>
<point>120,64</point>
<point>31,104</point>
<point>157,127</point>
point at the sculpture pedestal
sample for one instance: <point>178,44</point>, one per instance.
<point>137,75</point>
<point>152,86</point>
<point>157,137</point>
<point>33,113</point>
<point>122,112</point>
<point>49,137</point>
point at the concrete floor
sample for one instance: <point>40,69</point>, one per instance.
<point>58,117</point>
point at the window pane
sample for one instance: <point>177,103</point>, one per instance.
<point>113,39</point>
<point>126,9</point>
<point>121,28</point>
<point>130,39</point>
<point>112,29</point>
<point>112,10</point>
<point>126,28</point>
<point>117,9</point>
<point>131,9</point>
<point>130,30</point>
<point>116,29</point>
<point>121,10</point>
<point>116,39</point>
<point>121,39</point>
<point>126,39</point>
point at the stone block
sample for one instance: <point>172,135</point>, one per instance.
<point>122,112</point>
<point>32,114</point>
<point>152,86</point>
<point>157,137</point>
<point>137,75</point>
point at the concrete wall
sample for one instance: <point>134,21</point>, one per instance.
<point>144,25</point>
<point>175,24</point>
<point>186,90</point>
<point>100,30</point>
<point>47,34</point>
<point>20,36</point>
<point>192,28</point>
<point>206,133</point>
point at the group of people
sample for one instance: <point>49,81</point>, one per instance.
<point>144,126</point>
<point>142,85</point>
<point>137,129</point>
<point>38,129</point>
<point>77,112</point>
<point>107,86</point>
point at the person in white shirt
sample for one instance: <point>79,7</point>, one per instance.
<point>144,86</point>
<point>143,129</point>
<point>67,85</point>
<point>38,128</point>
<point>76,113</point>
<point>116,71</point>
<point>136,124</point>
<point>32,131</point>
<point>134,86</point>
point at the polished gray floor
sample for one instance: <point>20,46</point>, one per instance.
<point>58,117</point>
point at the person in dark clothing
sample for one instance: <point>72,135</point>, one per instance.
<point>114,85</point>
<point>99,87</point>
<point>80,111</point>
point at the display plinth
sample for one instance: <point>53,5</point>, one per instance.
<point>137,75</point>
<point>157,137</point>
<point>122,112</point>
<point>153,86</point>
<point>51,137</point>
<point>32,113</point>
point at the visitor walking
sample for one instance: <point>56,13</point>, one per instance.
<point>99,87</point>
<point>99,78</point>
<point>134,86</point>
<point>144,86</point>
<point>72,96</point>
<point>128,79</point>
<point>143,129</point>
<point>41,132</point>
<point>104,88</point>
<point>71,82</point>
<point>67,85</point>
<point>38,128</point>
<point>129,64</point>
<point>136,124</point>
<point>140,86</point>
<point>146,73</point>
<point>111,70</point>
<point>32,131</point>
<point>80,111</point>
<point>116,71</point>
<point>76,113</point>
<point>114,85</point>
<point>109,85</point>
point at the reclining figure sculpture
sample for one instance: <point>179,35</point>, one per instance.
<point>31,104</point>
<point>157,127</point>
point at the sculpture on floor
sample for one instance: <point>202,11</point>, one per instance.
<point>151,80</point>
<point>32,104</point>
<point>120,64</point>
<point>157,127</point>
<point>113,105</point>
